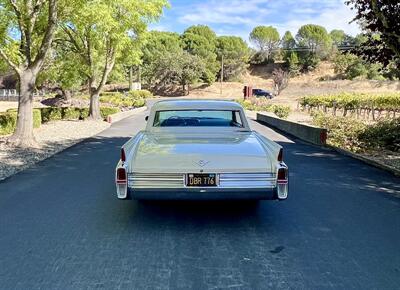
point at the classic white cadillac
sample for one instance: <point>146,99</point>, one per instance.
<point>200,149</point>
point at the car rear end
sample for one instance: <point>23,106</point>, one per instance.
<point>202,184</point>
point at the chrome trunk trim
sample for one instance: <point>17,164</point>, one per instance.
<point>156,180</point>
<point>225,180</point>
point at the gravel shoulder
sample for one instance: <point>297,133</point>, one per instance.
<point>52,137</point>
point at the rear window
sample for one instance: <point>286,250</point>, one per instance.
<point>198,118</point>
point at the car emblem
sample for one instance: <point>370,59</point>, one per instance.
<point>202,163</point>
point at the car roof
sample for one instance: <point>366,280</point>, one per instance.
<point>185,104</point>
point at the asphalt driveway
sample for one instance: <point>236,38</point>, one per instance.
<point>62,227</point>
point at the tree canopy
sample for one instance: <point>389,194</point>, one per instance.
<point>266,38</point>
<point>200,40</point>
<point>313,37</point>
<point>236,55</point>
<point>381,21</point>
<point>100,31</point>
<point>338,37</point>
<point>288,41</point>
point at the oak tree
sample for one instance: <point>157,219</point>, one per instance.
<point>100,31</point>
<point>266,38</point>
<point>26,33</point>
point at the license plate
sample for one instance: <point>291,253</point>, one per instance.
<point>201,179</point>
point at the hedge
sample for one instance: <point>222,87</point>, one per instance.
<point>73,113</point>
<point>51,114</point>
<point>140,94</point>
<point>106,111</point>
<point>8,121</point>
<point>130,99</point>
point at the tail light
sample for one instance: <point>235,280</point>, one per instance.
<point>282,176</point>
<point>280,155</point>
<point>123,156</point>
<point>121,176</point>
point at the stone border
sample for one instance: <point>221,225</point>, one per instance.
<point>305,132</point>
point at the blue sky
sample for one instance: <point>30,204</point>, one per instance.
<point>239,17</point>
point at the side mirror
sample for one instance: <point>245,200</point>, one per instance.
<point>146,118</point>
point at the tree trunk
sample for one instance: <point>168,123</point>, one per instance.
<point>66,94</point>
<point>130,78</point>
<point>23,134</point>
<point>94,107</point>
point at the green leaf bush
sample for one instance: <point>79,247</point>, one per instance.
<point>140,94</point>
<point>382,135</point>
<point>355,135</point>
<point>106,111</point>
<point>342,132</point>
<point>8,121</point>
<point>131,99</point>
<point>71,113</point>
<point>281,111</point>
<point>51,114</point>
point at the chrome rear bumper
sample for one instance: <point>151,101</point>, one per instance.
<point>172,186</point>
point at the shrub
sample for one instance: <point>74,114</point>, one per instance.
<point>51,114</point>
<point>308,61</point>
<point>37,118</point>
<point>342,61</point>
<point>8,121</point>
<point>350,67</point>
<point>281,111</point>
<point>140,94</point>
<point>84,113</point>
<point>112,98</point>
<point>356,70</point>
<point>247,105</point>
<point>71,113</point>
<point>138,103</point>
<point>354,135</point>
<point>342,132</point>
<point>106,111</point>
<point>382,135</point>
<point>374,72</point>
<point>256,105</point>
<point>132,99</point>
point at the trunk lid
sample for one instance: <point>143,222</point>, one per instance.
<point>191,153</point>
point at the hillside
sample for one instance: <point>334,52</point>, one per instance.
<point>303,85</point>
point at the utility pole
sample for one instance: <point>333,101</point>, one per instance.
<point>222,72</point>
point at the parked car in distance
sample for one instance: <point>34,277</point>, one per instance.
<point>200,149</point>
<point>262,93</point>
